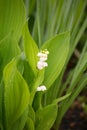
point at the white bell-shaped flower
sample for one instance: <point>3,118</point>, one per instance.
<point>41,88</point>
<point>41,65</point>
<point>43,55</point>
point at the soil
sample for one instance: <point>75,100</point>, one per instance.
<point>75,118</point>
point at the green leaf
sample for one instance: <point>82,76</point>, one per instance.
<point>20,123</point>
<point>31,49</point>
<point>45,117</point>
<point>28,74</point>
<point>20,65</point>
<point>29,124</point>
<point>8,50</point>
<point>12,17</point>
<point>58,48</point>
<point>16,94</point>
<point>1,103</point>
<point>31,113</point>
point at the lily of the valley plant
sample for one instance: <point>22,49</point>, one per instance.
<point>27,71</point>
<point>46,19</point>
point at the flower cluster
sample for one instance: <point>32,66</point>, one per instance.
<point>41,88</point>
<point>43,55</point>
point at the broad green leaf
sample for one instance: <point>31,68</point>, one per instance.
<point>20,65</point>
<point>28,74</point>
<point>20,123</point>
<point>16,95</point>
<point>58,48</point>
<point>12,17</point>
<point>29,124</point>
<point>1,102</point>
<point>45,117</point>
<point>31,113</point>
<point>31,49</point>
<point>8,50</point>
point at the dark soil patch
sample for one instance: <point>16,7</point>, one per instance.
<point>75,118</point>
